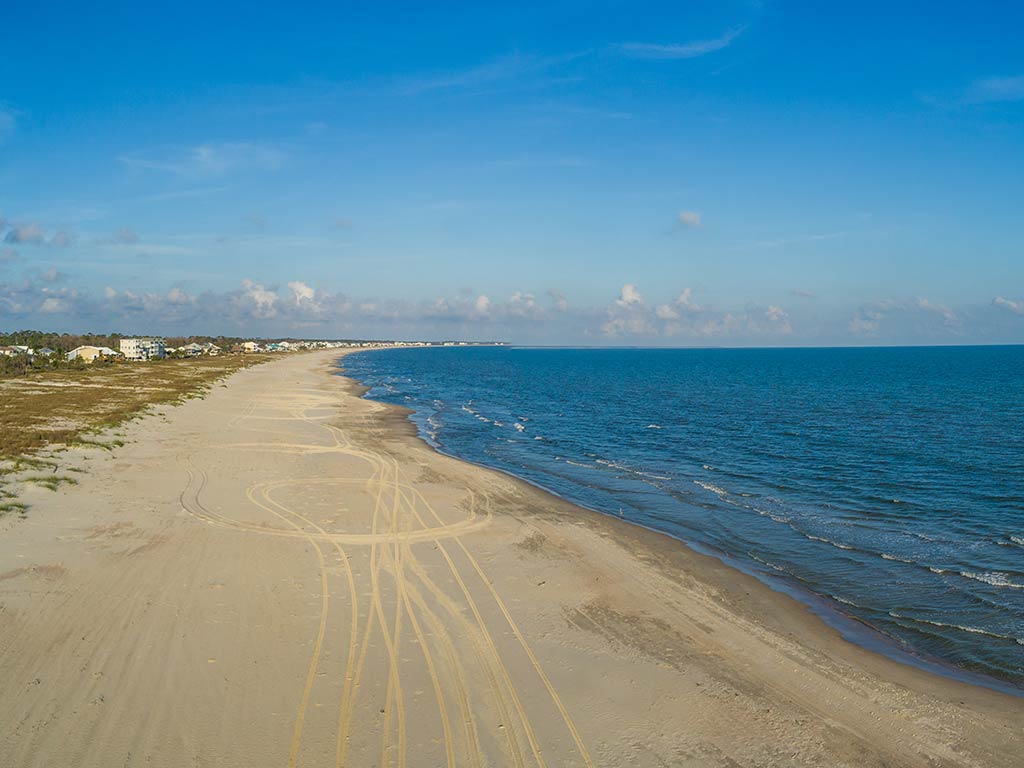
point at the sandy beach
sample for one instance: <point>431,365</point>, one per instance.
<point>283,574</point>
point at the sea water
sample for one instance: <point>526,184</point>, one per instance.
<point>887,481</point>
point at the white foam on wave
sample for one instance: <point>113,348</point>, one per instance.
<point>887,556</point>
<point>961,627</point>
<point>630,470</point>
<point>519,427</point>
<point>771,565</point>
<point>844,600</point>
<point>1019,540</point>
<point>710,487</point>
<point>772,515</point>
<point>653,426</point>
<point>994,578</point>
<point>827,541</point>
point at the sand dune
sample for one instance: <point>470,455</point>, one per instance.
<point>282,574</point>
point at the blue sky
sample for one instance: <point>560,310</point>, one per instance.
<point>766,173</point>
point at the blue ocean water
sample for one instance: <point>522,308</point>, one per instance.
<point>889,481</point>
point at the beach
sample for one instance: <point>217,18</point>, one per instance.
<point>284,574</point>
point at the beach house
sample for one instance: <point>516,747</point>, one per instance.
<point>89,353</point>
<point>14,350</point>
<point>144,348</point>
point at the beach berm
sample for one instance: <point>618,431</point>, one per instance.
<point>283,574</point>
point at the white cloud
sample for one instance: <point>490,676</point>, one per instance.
<point>258,308</point>
<point>33,233</point>
<point>628,315</point>
<point>209,160</point>
<point>1017,307</point>
<point>636,324</point>
<point>523,305</point>
<point>560,302</point>
<point>690,50</point>
<point>301,292</point>
<point>947,314</point>
<point>689,219</point>
<point>28,233</point>
<point>904,317</point>
<point>178,296</point>
<point>260,299</point>
<point>629,296</point>
<point>511,67</point>
<point>685,299</point>
<point>123,236</point>
<point>868,319</point>
<point>812,238</point>
<point>53,305</point>
<point>778,318</point>
<point>684,303</point>
<point>995,89</point>
<point>865,322</point>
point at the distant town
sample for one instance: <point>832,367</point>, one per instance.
<point>25,350</point>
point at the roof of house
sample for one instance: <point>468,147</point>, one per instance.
<point>101,350</point>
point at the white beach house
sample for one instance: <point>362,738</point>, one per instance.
<point>144,348</point>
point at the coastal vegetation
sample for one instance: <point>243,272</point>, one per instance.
<point>50,349</point>
<point>44,411</point>
<point>47,409</point>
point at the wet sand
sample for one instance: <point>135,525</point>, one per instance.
<point>283,574</point>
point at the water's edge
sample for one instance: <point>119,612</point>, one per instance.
<point>851,628</point>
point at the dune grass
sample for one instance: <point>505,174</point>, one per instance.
<point>55,409</point>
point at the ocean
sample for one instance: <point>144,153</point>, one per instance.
<point>884,483</point>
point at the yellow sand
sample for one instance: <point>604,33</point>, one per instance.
<point>283,575</point>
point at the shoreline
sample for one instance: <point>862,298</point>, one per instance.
<point>303,581</point>
<point>852,629</point>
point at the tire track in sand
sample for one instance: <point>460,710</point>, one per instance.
<point>391,539</point>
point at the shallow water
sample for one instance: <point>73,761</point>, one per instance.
<point>889,481</point>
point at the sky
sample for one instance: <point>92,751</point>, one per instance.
<point>605,173</point>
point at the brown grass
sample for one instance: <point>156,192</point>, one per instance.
<point>57,408</point>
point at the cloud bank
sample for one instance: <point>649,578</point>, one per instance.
<point>48,299</point>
